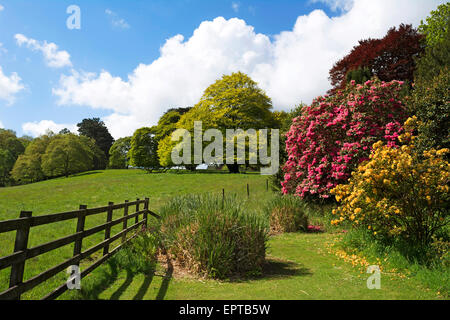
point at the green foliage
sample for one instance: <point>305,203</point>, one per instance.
<point>143,152</point>
<point>9,141</point>
<point>25,140</point>
<point>212,237</point>
<point>136,257</point>
<point>6,164</point>
<point>436,27</point>
<point>431,104</point>
<point>421,263</point>
<point>10,149</point>
<point>64,131</point>
<point>235,101</point>
<point>232,102</point>
<point>359,75</point>
<point>287,213</point>
<point>437,53</point>
<point>99,160</point>
<point>285,121</point>
<point>67,154</point>
<point>167,123</point>
<point>118,154</point>
<point>96,129</point>
<point>28,168</point>
<point>56,155</point>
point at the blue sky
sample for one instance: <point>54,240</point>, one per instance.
<point>119,39</point>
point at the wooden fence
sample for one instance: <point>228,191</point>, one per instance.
<point>22,226</point>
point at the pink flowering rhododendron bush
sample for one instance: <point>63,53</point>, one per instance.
<point>335,134</point>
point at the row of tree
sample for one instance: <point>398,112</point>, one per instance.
<point>232,102</point>
<point>26,160</point>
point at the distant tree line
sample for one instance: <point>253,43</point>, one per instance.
<point>27,160</point>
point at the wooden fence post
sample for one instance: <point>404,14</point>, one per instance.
<point>125,224</point>
<point>146,204</point>
<point>137,210</point>
<point>248,191</point>
<point>223,197</point>
<point>21,244</point>
<point>80,228</point>
<point>108,228</point>
<point>267,185</point>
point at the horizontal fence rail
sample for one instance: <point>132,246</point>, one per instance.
<point>22,226</point>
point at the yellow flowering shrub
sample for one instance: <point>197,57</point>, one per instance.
<point>398,192</point>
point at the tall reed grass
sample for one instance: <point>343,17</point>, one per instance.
<point>214,237</point>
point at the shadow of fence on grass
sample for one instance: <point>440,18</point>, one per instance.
<point>283,269</point>
<point>143,289</point>
<point>167,277</point>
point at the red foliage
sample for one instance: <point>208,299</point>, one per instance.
<point>390,58</point>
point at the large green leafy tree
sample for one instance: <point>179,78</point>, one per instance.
<point>67,154</point>
<point>167,123</point>
<point>28,166</point>
<point>96,129</point>
<point>437,38</point>
<point>233,102</point>
<point>26,140</point>
<point>118,154</point>
<point>99,159</point>
<point>436,26</point>
<point>431,103</point>
<point>10,149</point>
<point>284,120</point>
<point>430,100</point>
<point>143,152</point>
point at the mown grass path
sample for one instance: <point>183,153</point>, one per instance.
<point>300,267</point>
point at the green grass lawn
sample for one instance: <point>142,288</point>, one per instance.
<point>300,267</point>
<point>96,189</point>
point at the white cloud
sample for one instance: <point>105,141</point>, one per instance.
<point>335,5</point>
<point>53,57</point>
<point>2,8</point>
<point>1,123</point>
<point>36,129</point>
<point>291,68</point>
<point>9,86</point>
<point>235,6</point>
<point>116,21</point>
<point>2,49</point>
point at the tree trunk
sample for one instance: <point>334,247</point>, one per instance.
<point>190,167</point>
<point>233,168</point>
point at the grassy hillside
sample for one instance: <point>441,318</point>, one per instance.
<point>96,189</point>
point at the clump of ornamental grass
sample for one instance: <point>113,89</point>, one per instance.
<point>213,237</point>
<point>287,213</point>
